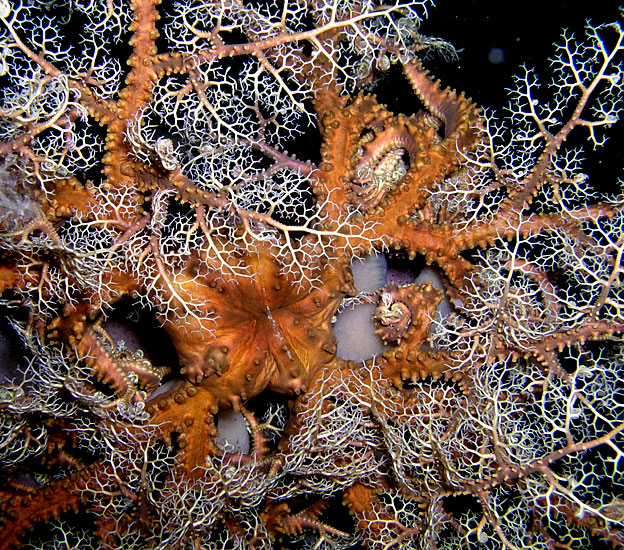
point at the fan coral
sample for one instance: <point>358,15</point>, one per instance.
<point>222,185</point>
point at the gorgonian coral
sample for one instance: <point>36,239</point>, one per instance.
<point>222,185</point>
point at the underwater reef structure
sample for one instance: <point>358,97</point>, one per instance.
<point>218,168</point>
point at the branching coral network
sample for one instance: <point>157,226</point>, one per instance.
<point>218,166</point>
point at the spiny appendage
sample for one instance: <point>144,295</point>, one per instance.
<point>385,157</point>
<point>125,370</point>
<point>28,511</point>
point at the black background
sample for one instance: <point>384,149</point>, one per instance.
<point>525,31</point>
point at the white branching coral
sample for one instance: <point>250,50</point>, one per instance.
<point>223,184</point>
